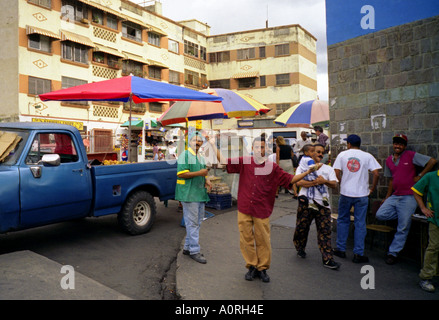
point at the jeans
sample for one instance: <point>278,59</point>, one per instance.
<point>401,208</point>
<point>360,205</point>
<point>193,215</point>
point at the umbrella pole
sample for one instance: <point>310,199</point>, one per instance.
<point>130,157</point>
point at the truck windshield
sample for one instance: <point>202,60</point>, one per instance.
<point>12,143</point>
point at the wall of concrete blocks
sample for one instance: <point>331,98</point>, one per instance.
<point>385,83</point>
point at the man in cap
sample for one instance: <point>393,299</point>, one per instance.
<point>352,168</point>
<point>399,202</point>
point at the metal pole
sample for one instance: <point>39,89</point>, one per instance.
<point>130,157</point>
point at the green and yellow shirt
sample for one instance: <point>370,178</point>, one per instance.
<point>430,180</point>
<point>193,189</point>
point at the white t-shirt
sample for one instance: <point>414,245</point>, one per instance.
<point>326,172</point>
<point>355,165</point>
<point>299,145</point>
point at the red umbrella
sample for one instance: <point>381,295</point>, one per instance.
<point>129,88</point>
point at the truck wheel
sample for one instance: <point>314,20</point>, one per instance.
<point>138,214</point>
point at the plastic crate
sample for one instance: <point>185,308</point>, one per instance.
<point>219,201</point>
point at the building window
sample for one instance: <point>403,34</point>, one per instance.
<point>42,3</point>
<point>75,52</point>
<point>67,82</point>
<point>97,16</point>
<point>113,62</point>
<point>131,31</point>
<point>282,107</point>
<point>224,83</point>
<point>174,77</point>
<point>245,54</point>
<point>38,86</point>
<point>191,78</point>
<point>40,42</point>
<point>262,81</point>
<point>154,39</point>
<point>223,56</point>
<point>73,10</point>
<point>111,21</point>
<point>203,79</point>
<point>261,52</point>
<point>191,48</point>
<point>155,72</point>
<point>135,107</point>
<point>282,49</point>
<point>247,83</point>
<point>283,78</point>
<point>173,46</point>
<point>155,107</point>
<point>134,67</point>
<point>203,53</point>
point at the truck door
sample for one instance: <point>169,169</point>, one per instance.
<point>54,193</point>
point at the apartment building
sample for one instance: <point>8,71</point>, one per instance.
<point>54,44</point>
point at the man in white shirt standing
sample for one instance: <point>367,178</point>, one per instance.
<point>355,165</point>
<point>304,140</point>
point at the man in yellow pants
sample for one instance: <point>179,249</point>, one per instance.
<point>258,182</point>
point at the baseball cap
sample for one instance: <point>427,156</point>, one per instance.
<point>400,138</point>
<point>353,139</point>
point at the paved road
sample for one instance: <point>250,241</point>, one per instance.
<point>138,267</point>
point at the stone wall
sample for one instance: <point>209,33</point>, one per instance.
<point>385,83</point>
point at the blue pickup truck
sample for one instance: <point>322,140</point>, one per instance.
<point>45,177</point>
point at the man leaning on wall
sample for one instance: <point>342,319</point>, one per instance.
<point>399,202</point>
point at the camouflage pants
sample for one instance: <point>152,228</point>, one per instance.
<point>323,224</point>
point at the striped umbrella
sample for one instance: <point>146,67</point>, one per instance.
<point>306,113</point>
<point>233,105</point>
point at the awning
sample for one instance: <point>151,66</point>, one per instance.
<point>157,64</point>
<point>134,57</point>
<point>156,30</point>
<point>32,30</point>
<point>66,35</point>
<point>136,21</point>
<point>134,123</point>
<point>241,75</point>
<point>108,50</point>
<point>103,8</point>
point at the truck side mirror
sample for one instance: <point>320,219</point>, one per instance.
<point>51,159</point>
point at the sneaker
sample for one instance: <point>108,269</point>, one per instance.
<point>198,257</point>
<point>251,274</point>
<point>339,253</point>
<point>331,264</point>
<point>264,276</point>
<point>186,252</point>
<point>427,285</point>
<point>360,259</point>
<point>391,259</point>
<point>301,253</point>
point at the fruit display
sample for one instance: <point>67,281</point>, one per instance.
<point>113,162</point>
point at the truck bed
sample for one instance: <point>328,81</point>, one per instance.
<point>112,184</point>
